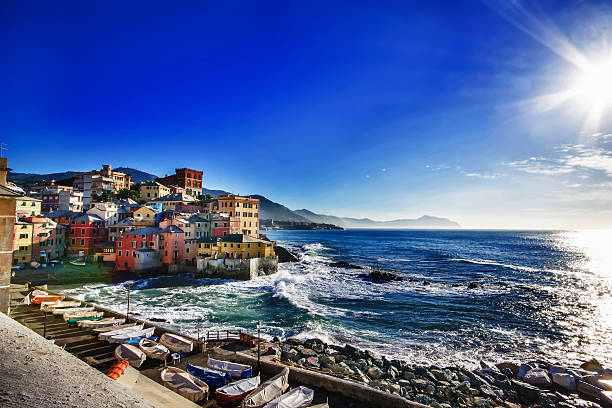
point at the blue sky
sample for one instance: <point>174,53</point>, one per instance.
<point>377,109</point>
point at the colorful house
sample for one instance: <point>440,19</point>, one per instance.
<point>130,242</point>
<point>84,232</point>
<point>170,201</point>
<point>120,228</point>
<point>63,217</point>
<point>107,211</point>
<point>152,190</point>
<point>22,243</point>
<point>235,246</point>
<point>144,217</point>
<point>219,225</point>
<point>189,179</point>
<point>28,206</point>
<point>244,212</point>
<point>172,245</point>
<point>48,239</point>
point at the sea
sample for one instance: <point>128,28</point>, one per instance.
<point>540,295</point>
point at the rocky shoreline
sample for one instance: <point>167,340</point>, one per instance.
<point>506,384</point>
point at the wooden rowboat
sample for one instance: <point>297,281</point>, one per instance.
<point>153,349</point>
<point>176,343</point>
<point>37,300</point>
<point>82,315</point>
<point>132,354</point>
<point>184,384</point>
<point>236,370</point>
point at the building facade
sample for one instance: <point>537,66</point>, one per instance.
<point>84,232</point>
<point>152,190</point>
<point>189,179</point>
<point>243,212</point>
<point>28,206</point>
<point>95,182</point>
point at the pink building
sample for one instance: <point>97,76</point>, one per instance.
<point>172,245</point>
<point>128,244</point>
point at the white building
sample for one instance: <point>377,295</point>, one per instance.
<point>106,211</point>
<point>70,200</point>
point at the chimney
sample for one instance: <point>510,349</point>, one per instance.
<point>3,170</point>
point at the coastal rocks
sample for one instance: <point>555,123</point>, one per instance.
<point>529,392</point>
<point>565,381</point>
<point>523,369</point>
<point>472,285</point>
<point>375,373</point>
<point>538,377</point>
<point>380,277</point>
<point>593,365</point>
<point>284,255</point>
<point>344,264</point>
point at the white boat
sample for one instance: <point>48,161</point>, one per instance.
<point>176,343</point>
<point>235,392</point>
<point>99,330</point>
<point>77,263</point>
<point>184,384</point>
<point>132,354</point>
<point>106,322</point>
<point>323,405</point>
<point>108,334</point>
<point>236,370</point>
<point>60,304</point>
<point>83,315</point>
<point>299,397</point>
<point>61,312</point>
<point>131,335</point>
<point>268,391</point>
<point>153,349</point>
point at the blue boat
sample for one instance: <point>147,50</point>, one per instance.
<point>136,341</point>
<point>213,378</point>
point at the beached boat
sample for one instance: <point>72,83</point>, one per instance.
<point>34,265</point>
<point>106,322</point>
<point>268,391</point>
<point>60,304</point>
<point>184,384</point>
<point>110,333</point>
<point>38,299</point>
<point>83,315</point>
<point>298,397</point>
<point>236,370</point>
<point>61,312</point>
<point>132,354</point>
<point>235,392</point>
<point>107,329</point>
<point>176,343</point>
<point>213,378</point>
<point>77,263</point>
<point>131,335</point>
<point>153,349</point>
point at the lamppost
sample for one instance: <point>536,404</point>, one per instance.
<point>127,315</point>
<point>258,346</point>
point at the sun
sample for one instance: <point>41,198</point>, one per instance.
<point>593,85</point>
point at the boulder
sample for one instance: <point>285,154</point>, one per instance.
<point>556,369</point>
<point>592,391</point>
<point>472,285</point>
<point>593,365</point>
<point>312,362</point>
<point>292,341</point>
<point>375,373</point>
<point>350,350</point>
<point>284,255</point>
<point>513,367</point>
<point>344,264</point>
<point>380,277</point>
<point>529,392</point>
<point>327,361</point>
<point>523,369</point>
<point>538,377</point>
<point>565,381</point>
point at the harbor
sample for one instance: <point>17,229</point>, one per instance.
<point>146,380</point>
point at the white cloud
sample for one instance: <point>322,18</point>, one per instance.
<point>486,176</point>
<point>438,167</point>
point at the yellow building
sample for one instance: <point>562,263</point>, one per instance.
<point>153,190</point>
<point>243,212</point>
<point>22,243</point>
<point>170,201</point>
<point>28,207</point>
<point>144,217</point>
<point>236,246</point>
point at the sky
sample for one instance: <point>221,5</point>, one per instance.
<point>492,113</point>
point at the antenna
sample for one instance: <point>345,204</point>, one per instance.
<point>3,146</point>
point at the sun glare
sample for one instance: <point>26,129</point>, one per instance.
<point>594,85</point>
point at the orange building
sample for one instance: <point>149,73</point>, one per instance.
<point>243,213</point>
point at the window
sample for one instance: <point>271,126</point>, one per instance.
<point>23,235</point>
<point>120,244</point>
<point>82,242</point>
<point>187,250</point>
<point>119,253</point>
<point>72,241</point>
<point>133,244</point>
<point>127,253</point>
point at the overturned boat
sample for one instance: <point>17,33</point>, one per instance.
<point>299,397</point>
<point>132,354</point>
<point>236,370</point>
<point>105,322</point>
<point>184,384</point>
<point>61,312</point>
<point>176,343</point>
<point>268,391</point>
<point>212,377</point>
<point>59,304</point>
<point>108,334</point>
<point>131,335</point>
<point>153,349</point>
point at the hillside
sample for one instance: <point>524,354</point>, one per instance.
<point>269,210</point>
<point>137,175</point>
<point>425,221</point>
<point>23,179</point>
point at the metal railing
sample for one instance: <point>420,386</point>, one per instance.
<point>223,335</point>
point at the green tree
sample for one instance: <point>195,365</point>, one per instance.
<point>205,197</point>
<point>125,193</point>
<point>104,196</point>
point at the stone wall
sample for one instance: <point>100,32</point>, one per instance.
<point>7,222</point>
<point>241,269</point>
